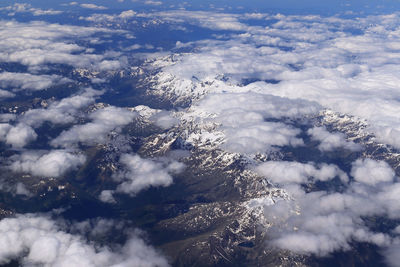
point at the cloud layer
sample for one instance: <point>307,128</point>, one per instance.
<point>301,57</point>
<point>37,43</point>
<point>255,89</point>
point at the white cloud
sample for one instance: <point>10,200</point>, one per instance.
<point>127,14</point>
<point>243,120</point>
<point>141,174</point>
<point>371,172</point>
<point>37,43</point>
<point>300,65</point>
<point>392,255</point>
<point>60,112</point>
<point>312,63</point>
<point>26,81</point>
<point>153,3</point>
<point>164,119</point>
<point>103,122</point>
<point>93,6</point>
<point>261,137</point>
<point>38,240</point>
<point>210,20</point>
<point>124,15</point>
<point>52,164</point>
<point>321,222</point>
<point>331,141</point>
<point>6,94</point>
<point>285,172</point>
<point>20,135</point>
<point>306,57</point>
<point>107,196</point>
<point>24,8</point>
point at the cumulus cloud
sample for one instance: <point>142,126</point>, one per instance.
<point>107,196</point>
<point>61,112</point>
<point>51,164</point>
<point>285,172</point>
<point>124,15</point>
<point>141,174</point>
<point>25,81</point>
<point>328,226</point>
<point>320,230</point>
<point>17,136</point>
<point>321,222</point>
<point>127,14</point>
<point>38,240</point>
<point>371,172</point>
<point>330,141</point>
<point>103,122</point>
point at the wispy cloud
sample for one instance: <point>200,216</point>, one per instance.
<point>93,6</point>
<point>25,8</point>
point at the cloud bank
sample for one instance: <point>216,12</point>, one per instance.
<point>37,43</point>
<point>313,58</point>
<point>254,89</point>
